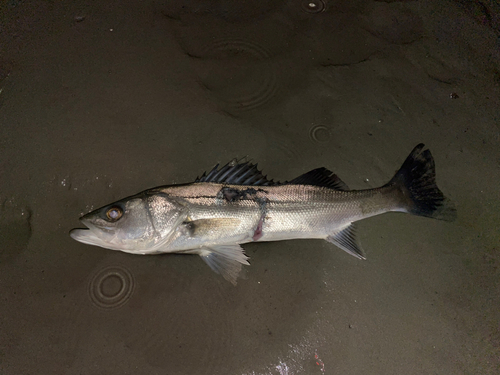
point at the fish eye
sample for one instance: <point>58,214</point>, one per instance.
<point>114,213</point>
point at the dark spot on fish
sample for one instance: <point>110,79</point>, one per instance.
<point>188,227</point>
<point>231,195</point>
<point>258,231</point>
<point>257,234</point>
<point>234,195</point>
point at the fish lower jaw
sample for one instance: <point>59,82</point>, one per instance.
<point>87,237</point>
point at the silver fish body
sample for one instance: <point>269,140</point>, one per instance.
<point>272,213</point>
<point>235,204</point>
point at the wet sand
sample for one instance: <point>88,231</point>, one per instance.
<point>100,100</point>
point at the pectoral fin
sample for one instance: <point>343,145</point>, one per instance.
<point>345,238</point>
<point>225,260</point>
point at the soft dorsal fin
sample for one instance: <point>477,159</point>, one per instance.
<point>320,177</point>
<point>236,173</point>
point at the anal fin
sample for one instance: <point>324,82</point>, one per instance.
<point>345,238</point>
<point>225,260</point>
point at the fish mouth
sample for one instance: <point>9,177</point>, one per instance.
<point>82,235</point>
<point>87,235</point>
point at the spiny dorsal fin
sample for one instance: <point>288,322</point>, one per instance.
<point>320,177</point>
<point>236,173</point>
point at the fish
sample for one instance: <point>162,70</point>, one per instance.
<point>236,204</point>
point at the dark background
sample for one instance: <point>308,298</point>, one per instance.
<point>103,99</point>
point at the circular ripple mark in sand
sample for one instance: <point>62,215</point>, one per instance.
<point>111,287</point>
<point>320,134</point>
<point>313,6</point>
<point>244,77</point>
<point>227,48</point>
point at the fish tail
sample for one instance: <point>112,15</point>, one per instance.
<point>416,179</point>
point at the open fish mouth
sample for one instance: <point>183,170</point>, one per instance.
<point>88,235</point>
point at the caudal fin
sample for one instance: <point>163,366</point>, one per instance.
<point>417,180</point>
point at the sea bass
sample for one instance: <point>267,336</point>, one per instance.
<point>236,204</point>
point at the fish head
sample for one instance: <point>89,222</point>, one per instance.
<point>138,224</point>
<point>123,225</point>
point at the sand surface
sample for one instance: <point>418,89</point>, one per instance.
<point>102,99</point>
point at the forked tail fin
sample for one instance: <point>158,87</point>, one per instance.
<point>417,180</point>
